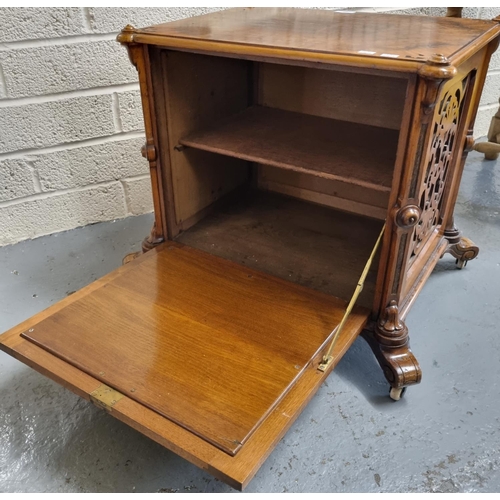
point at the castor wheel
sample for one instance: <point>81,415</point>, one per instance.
<point>397,393</point>
<point>460,263</point>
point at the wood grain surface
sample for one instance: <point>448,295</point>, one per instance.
<point>235,470</point>
<point>331,193</point>
<point>207,343</point>
<point>332,149</point>
<point>399,39</point>
<point>214,359</point>
<point>352,97</point>
<point>198,91</point>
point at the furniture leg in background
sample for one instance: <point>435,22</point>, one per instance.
<point>491,148</point>
<point>454,11</point>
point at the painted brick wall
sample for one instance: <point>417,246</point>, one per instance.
<point>70,116</point>
<point>70,119</point>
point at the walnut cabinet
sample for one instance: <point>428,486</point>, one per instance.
<point>280,143</point>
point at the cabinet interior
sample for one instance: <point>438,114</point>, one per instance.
<point>287,169</point>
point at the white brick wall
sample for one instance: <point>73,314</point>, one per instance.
<point>70,115</point>
<point>38,23</point>
<point>51,69</point>
<point>70,119</point>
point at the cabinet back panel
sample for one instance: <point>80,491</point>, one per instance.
<point>304,243</point>
<point>200,90</point>
<point>331,193</point>
<point>351,97</point>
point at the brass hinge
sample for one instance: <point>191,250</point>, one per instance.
<point>105,397</point>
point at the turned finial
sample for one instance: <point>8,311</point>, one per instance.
<point>391,330</point>
<point>438,60</point>
<point>127,34</point>
<point>392,323</point>
<point>437,67</point>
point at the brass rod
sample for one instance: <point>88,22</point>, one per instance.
<point>359,288</point>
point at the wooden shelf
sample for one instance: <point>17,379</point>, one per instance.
<point>349,152</point>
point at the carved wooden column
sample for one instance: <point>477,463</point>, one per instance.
<point>415,220</point>
<point>389,337</point>
<point>137,54</point>
<point>400,366</point>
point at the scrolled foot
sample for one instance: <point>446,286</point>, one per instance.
<point>147,244</point>
<point>130,257</point>
<point>400,367</point>
<point>463,251</point>
<point>390,344</point>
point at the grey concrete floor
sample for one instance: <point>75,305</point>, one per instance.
<point>444,436</point>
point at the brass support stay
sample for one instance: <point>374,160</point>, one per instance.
<point>328,358</point>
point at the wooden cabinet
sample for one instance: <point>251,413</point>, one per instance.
<point>282,143</point>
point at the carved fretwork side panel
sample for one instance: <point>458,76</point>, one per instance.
<point>438,164</point>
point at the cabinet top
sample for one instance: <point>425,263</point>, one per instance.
<point>383,41</point>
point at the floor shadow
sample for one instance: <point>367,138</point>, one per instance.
<point>360,368</point>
